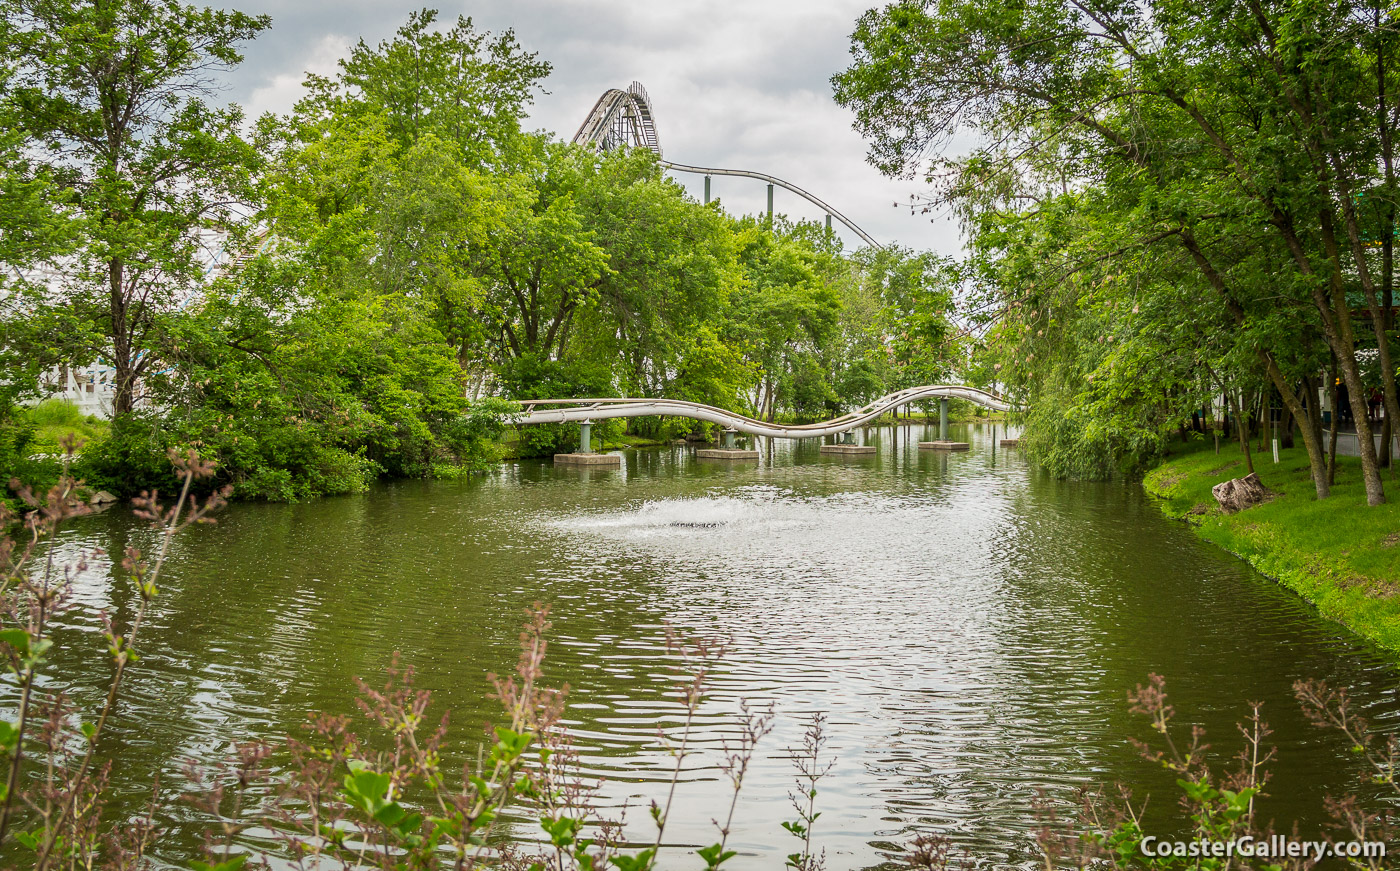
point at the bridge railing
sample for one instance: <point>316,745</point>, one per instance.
<point>579,410</point>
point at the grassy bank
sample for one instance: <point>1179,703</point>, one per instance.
<point>1337,553</point>
<point>54,420</point>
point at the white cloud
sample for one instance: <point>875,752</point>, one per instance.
<point>283,89</point>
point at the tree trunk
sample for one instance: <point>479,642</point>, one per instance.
<point>1266,420</point>
<point>1345,353</point>
<point>1312,427</point>
<point>1217,281</point>
<point>1351,222</point>
<point>1387,221</point>
<point>1243,431</point>
<point>1312,437</point>
<point>1285,430</point>
<point>1391,401</point>
<point>1336,419</point>
<point>124,374</point>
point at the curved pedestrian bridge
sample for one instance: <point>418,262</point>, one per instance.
<point>589,410</point>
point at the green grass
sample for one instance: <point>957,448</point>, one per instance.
<point>55,419</point>
<point>630,440</point>
<point>1338,553</point>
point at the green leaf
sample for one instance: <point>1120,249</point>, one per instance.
<point>16,638</point>
<point>640,862</point>
<point>563,831</point>
<point>9,736</point>
<point>366,789</point>
<point>714,855</point>
<point>1199,793</point>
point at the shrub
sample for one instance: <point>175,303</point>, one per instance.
<point>473,438</point>
<point>15,438</point>
<point>56,412</point>
<point>16,442</point>
<point>132,458</point>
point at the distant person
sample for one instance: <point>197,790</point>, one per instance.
<point>1343,402</point>
<point>1373,406</point>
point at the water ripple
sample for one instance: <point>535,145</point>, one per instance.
<point>970,630</point>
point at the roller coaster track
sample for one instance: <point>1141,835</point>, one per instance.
<point>625,118</point>
<point>708,170</point>
<point>580,410</point>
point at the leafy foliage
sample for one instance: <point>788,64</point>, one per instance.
<point>397,260</point>
<point>1205,192</point>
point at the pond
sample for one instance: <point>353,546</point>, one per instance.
<point>970,628</point>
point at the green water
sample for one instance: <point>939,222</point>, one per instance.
<point>971,630</point>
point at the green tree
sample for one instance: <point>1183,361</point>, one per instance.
<point>1191,119</point>
<point>540,265</point>
<point>672,269</point>
<point>916,294</point>
<point>782,316</point>
<point>113,99</point>
<point>465,86</point>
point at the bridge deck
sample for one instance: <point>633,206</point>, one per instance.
<point>579,410</point>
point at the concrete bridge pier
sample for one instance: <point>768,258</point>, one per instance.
<point>727,450</point>
<point>847,446</point>
<point>584,456</point>
<point>943,443</point>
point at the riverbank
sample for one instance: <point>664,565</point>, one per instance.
<point>1338,553</point>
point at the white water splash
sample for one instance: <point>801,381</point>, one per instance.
<point>697,516</point>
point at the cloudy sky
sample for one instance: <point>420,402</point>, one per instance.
<point>735,84</point>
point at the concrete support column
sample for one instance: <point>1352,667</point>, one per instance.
<point>846,447</point>
<point>828,223</point>
<point>707,190</point>
<point>943,444</point>
<point>584,456</point>
<point>770,204</point>
<point>727,449</point>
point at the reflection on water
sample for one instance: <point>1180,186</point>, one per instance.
<point>970,629</point>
